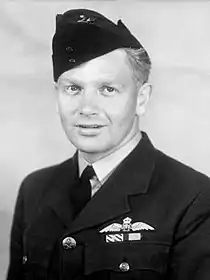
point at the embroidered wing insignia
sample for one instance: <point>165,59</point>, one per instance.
<point>112,227</point>
<point>141,226</point>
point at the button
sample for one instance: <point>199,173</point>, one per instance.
<point>69,49</point>
<point>124,266</point>
<point>24,260</point>
<point>72,60</point>
<point>69,243</point>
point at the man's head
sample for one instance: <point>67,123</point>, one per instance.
<point>101,73</point>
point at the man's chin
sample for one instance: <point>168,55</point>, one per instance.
<point>92,153</point>
<point>90,150</point>
<point>90,145</point>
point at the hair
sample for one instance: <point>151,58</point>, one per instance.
<point>140,63</point>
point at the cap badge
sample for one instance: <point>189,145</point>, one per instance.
<point>85,19</point>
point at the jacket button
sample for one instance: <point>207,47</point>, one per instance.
<point>69,243</point>
<point>24,260</point>
<point>124,266</point>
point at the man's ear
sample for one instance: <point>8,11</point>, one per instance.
<point>55,85</point>
<point>144,93</point>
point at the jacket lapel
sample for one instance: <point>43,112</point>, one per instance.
<point>131,177</point>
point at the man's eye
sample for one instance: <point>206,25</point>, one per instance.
<point>72,89</point>
<point>107,90</point>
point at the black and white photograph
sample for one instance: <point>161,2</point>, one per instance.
<point>105,140</point>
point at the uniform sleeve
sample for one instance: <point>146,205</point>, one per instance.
<point>16,239</point>
<point>190,255</point>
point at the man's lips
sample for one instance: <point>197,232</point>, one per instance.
<point>89,130</point>
<point>90,126</point>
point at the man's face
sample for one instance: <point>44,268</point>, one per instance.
<point>97,103</point>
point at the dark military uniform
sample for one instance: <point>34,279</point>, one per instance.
<point>170,200</point>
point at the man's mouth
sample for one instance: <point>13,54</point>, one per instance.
<point>90,126</point>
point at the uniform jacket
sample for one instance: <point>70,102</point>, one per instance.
<point>147,187</point>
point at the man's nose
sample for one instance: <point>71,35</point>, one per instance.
<point>89,104</point>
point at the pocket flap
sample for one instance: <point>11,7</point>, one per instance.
<point>139,256</point>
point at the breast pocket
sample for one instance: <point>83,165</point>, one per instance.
<point>127,258</point>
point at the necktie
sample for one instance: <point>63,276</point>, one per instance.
<point>82,191</point>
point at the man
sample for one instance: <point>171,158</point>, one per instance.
<point>119,209</point>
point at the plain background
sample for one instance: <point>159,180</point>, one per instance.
<point>176,35</point>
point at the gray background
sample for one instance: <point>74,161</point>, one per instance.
<point>175,33</point>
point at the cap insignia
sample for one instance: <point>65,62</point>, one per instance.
<point>85,19</point>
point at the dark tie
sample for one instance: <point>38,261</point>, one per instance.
<point>82,191</point>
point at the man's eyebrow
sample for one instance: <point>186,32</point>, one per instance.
<point>67,80</point>
<point>111,84</point>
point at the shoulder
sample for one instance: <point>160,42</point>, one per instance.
<point>39,180</point>
<point>181,176</point>
<point>41,187</point>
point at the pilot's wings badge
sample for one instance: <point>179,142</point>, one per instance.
<point>127,226</point>
<point>125,232</point>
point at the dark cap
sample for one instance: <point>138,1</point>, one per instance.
<point>82,35</point>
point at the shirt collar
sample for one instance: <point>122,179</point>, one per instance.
<point>106,165</point>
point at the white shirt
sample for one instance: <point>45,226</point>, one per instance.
<point>106,165</point>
